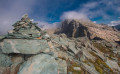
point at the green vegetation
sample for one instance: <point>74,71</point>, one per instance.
<point>99,69</point>
<point>100,65</point>
<point>101,47</point>
<point>71,68</point>
<point>119,64</point>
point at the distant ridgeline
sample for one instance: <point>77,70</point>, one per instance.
<point>25,28</point>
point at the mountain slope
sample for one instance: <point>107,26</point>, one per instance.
<point>77,28</point>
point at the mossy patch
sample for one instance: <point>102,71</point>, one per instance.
<point>100,65</point>
<point>102,48</point>
<point>119,64</point>
<point>71,68</point>
<point>99,69</point>
<point>105,50</point>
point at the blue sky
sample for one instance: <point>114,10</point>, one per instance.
<point>49,12</point>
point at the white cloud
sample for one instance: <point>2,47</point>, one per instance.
<point>84,12</point>
<point>45,25</point>
<point>94,22</point>
<point>114,23</point>
<point>95,9</point>
<point>74,15</point>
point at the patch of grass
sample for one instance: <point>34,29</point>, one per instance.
<point>71,68</point>
<point>103,64</point>
<point>86,62</point>
<point>101,47</point>
<point>119,64</point>
<point>99,64</point>
<point>94,54</point>
<point>119,61</point>
<point>99,69</point>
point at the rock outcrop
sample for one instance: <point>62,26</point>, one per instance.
<point>117,27</point>
<point>78,28</point>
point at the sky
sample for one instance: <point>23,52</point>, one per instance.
<point>51,12</point>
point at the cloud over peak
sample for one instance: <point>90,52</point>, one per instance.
<point>74,15</point>
<point>114,23</point>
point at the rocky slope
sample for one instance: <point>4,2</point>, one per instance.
<point>29,50</point>
<point>78,28</point>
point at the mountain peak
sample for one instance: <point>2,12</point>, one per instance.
<point>79,28</point>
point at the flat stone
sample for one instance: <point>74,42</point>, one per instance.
<point>60,41</point>
<point>1,37</point>
<point>39,64</point>
<point>77,68</point>
<point>24,46</point>
<point>72,48</point>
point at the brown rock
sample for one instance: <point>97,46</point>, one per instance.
<point>4,70</point>
<point>78,28</point>
<point>14,68</point>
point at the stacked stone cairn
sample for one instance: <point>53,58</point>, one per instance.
<point>28,50</point>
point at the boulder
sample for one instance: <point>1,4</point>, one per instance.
<point>24,46</point>
<point>39,64</point>
<point>72,48</point>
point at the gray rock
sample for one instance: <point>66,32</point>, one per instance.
<point>39,64</point>
<point>62,66</point>
<point>25,28</point>
<point>2,37</point>
<point>46,36</point>
<point>60,41</point>
<point>77,68</point>
<point>90,69</point>
<point>69,72</point>
<point>5,60</point>
<point>72,48</point>
<point>113,65</point>
<point>24,46</point>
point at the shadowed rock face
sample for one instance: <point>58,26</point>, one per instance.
<point>78,28</point>
<point>117,27</point>
<point>73,29</point>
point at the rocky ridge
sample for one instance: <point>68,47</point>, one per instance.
<point>78,28</point>
<point>28,49</point>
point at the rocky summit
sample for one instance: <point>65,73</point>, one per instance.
<point>78,28</point>
<point>80,47</point>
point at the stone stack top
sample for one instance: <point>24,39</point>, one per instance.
<point>25,29</point>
